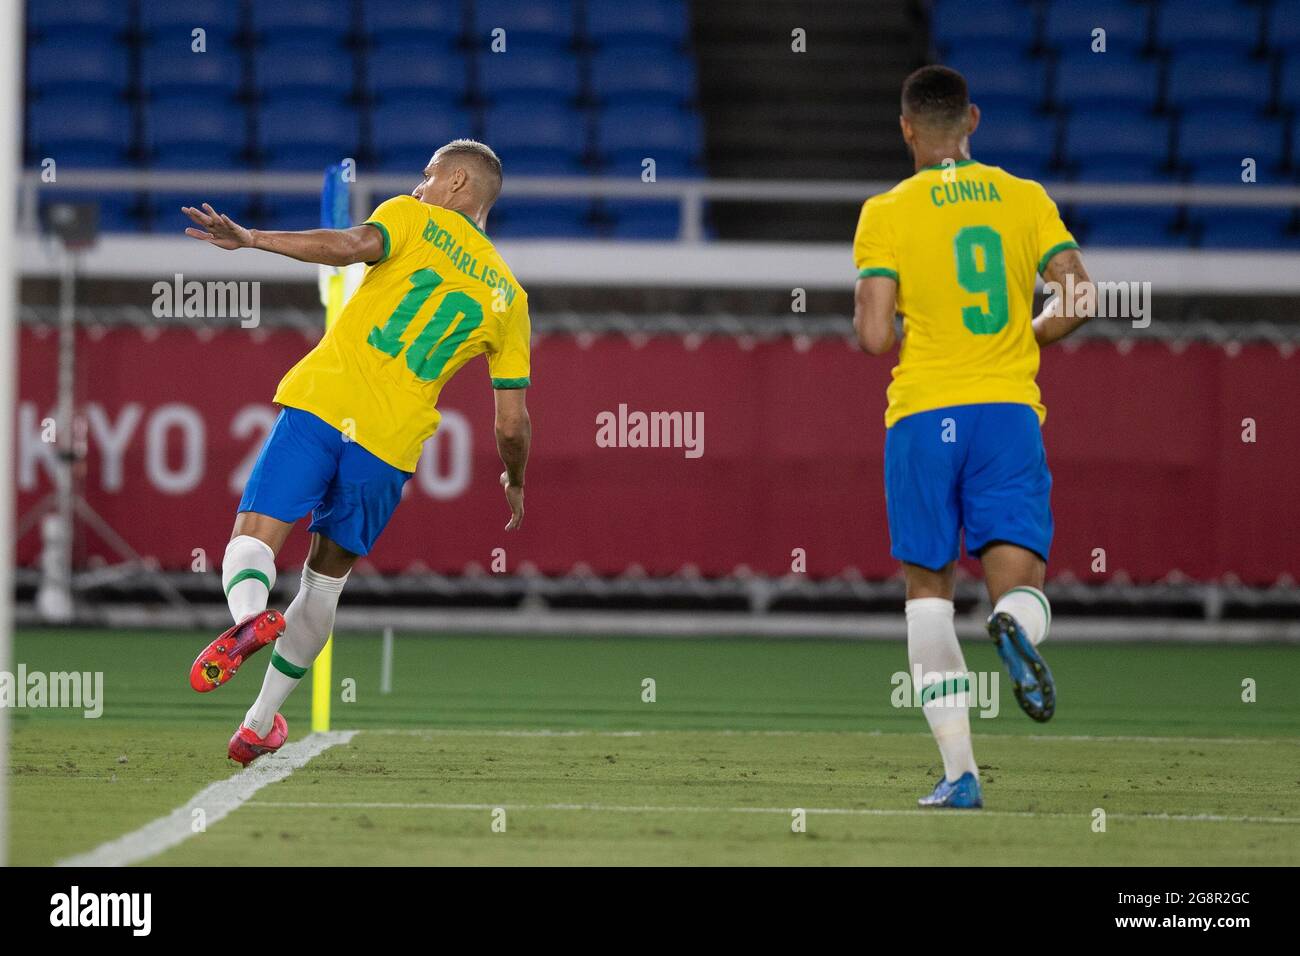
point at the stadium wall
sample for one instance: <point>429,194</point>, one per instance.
<point>1145,441</point>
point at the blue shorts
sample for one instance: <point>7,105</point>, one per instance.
<point>308,465</point>
<point>977,468</point>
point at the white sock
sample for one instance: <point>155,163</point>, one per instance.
<point>247,575</point>
<point>1030,609</point>
<point>308,621</point>
<point>945,692</point>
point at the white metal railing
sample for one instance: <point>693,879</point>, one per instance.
<point>691,194</point>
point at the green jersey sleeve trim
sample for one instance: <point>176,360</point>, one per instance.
<point>868,273</point>
<point>511,382</point>
<point>388,243</point>
<point>1059,247</point>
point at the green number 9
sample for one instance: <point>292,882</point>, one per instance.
<point>983,273</point>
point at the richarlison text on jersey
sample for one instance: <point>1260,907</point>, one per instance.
<point>964,191</point>
<point>460,257</point>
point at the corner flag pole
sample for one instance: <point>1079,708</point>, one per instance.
<point>334,214</point>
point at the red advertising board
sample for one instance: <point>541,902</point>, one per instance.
<point>778,446</point>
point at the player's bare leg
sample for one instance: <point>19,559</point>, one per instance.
<point>309,619</point>
<point>1019,623</point>
<point>247,576</point>
<point>932,648</point>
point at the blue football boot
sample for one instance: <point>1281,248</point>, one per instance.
<point>960,794</point>
<point>1031,679</point>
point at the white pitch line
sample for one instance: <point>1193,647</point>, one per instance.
<point>827,811</point>
<point>216,800</point>
<point>1038,738</point>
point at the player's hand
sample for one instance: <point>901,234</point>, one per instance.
<point>220,230</point>
<point>515,498</point>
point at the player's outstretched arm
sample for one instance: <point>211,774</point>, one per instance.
<point>1070,304</point>
<point>327,247</point>
<point>514,434</point>
<point>875,300</point>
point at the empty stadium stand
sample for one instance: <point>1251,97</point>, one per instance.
<point>583,88</point>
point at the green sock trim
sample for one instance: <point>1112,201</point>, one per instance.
<point>1047,611</point>
<point>953,685</point>
<point>285,668</point>
<point>246,574</point>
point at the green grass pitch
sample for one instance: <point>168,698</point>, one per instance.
<point>556,733</point>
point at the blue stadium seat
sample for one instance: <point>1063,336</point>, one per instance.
<point>118,212</point>
<point>1209,25</point>
<point>307,132</point>
<point>403,67</point>
<point>1221,137</point>
<point>526,22</point>
<point>438,24</point>
<point>557,130</point>
<point>1114,79</point>
<point>103,18</point>
<point>660,22</point>
<point>1282,31</point>
<point>529,218</point>
<point>632,219</point>
<point>80,129</point>
<point>1020,140</point>
<point>1068,26</point>
<point>66,64</point>
<point>657,132</point>
<point>165,216</point>
<point>1288,89</point>
<point>289,211</point>
<point>1295,146</point>
<point>630,165</point>
<point>293,67</point>
<point>1124,170</point>
<point>167,67</point>
<point>629,74</point>
<point>173,22</point>
<point>324,20</point>
<point>956,24</point>
<point>993,85</point>
<point>1222,79</point>
<point>1128,226</point>
<point>1117,135</point>
<point>528,76</point>
<point>1232,227</point>
<point>401,145</point>
<point>524,161</point>
<point>195,131</point>
<point>1229,174</point>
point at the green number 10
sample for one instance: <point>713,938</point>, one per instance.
<point>422,358</point>
<point>981,269</point>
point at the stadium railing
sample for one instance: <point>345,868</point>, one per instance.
<point>692,194</point>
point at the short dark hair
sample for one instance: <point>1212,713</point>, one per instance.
<point>936,96</point>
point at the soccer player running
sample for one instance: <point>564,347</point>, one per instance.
<point>357,408</point>
<point>955,249</point>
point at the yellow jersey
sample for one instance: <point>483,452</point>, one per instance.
<point>440,295</point>
<point>964,243</point>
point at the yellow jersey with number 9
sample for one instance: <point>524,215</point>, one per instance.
<point>964,243</point>
<point>440,295</point>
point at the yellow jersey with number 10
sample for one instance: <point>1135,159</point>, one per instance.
<point>964,243</point>
<point>440,295</point>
